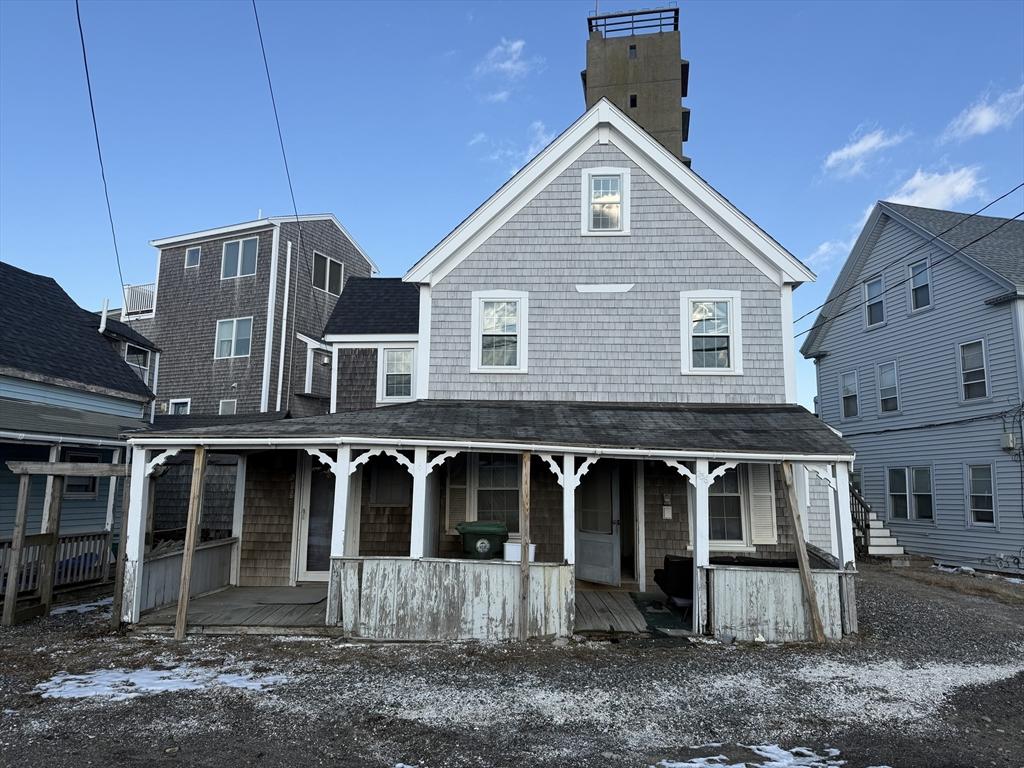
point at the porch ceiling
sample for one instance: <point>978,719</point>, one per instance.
<point>771,430</point>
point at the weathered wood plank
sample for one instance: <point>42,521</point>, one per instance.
<point>813,609</point>
<point>49,554</point>
<point>68,468</point>
<point>195,508</point>
<point>14,556</point>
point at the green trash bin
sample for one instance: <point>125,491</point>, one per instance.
<point>482,540</point>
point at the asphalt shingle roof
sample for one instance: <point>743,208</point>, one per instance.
<point>45,333</point>
<point>767,429</point>
<point>376,305</point>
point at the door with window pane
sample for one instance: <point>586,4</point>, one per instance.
<point>316,522</point>
<point>598,515</point>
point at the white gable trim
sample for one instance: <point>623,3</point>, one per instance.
<point>604,122</point>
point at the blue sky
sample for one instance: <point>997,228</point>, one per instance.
<point>402,118</point>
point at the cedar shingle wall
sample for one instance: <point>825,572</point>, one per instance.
<point>267,524</point>
<point>384,531</point>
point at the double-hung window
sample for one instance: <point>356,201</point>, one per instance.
<point>497,488</point>
<point>192,256</point>
<point>725,508</point>
<point>81,487</point>
<point>234,337</point>
<point>180,407</point>
<point>910,493</point>
<point>499,328</point>
<point>899,506</point>
<point>888,388</point>
<point>605,201</point>
<point>849,395</point>
<point>981,496</point>
<point>239,258</point>
<point>874,307</point>
<point>712,342</point>
<point>972,370</point>
<point>397,374</point>
<point>328,274</point>
<point>921,490</point>
<point>920,285</point>
<point>138,360</point>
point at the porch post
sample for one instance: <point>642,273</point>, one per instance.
<point>419,504</point>
<point>700,543</point>
<point>133,537</point>
<point>237,516</point>
<point>48,493</point>
<point>195,511</point>
<point>50,554</point>
<point>844,519</point>
<point>341,486</point>
<point>524,548</point>
<point>569,508</point>
<point>14,556</point>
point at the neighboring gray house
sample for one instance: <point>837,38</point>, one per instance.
<point>920,363</point>
<point>606,326</point>
<point>238,312</point>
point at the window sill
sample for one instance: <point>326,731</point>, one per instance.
<point>609,233</point>
<point>727,547</point>
<point>711,372</point>
<point>501,371</point>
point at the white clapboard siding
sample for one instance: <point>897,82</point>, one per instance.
<point>762,504</point>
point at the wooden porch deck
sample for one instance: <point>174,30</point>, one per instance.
<point>255,610</point>
<point>607,610</point>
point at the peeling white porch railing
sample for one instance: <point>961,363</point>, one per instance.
<point>139,299</point>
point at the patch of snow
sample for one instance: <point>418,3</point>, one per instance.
<point>105,602</point>
<point>120,684</point>
<point>1013,580</point>
<point>776,757</point>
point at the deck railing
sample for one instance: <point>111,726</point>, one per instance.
<point>139,299</point>
<point>81,558</point>
<point>860,510</point>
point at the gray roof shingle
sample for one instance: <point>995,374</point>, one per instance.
<point>376,305</point>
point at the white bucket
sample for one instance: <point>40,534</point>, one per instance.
<point>514,552</point>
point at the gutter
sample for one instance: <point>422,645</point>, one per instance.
<point>59,439</point>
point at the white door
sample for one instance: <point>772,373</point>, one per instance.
<point>316,515</point>
<point>598,546</point>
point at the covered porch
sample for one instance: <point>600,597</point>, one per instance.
<point>594,496</point>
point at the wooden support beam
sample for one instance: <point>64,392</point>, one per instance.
<point>810,598</point>
<point>195,510</point>
<point>14,558</point>
<point>68,468</point>
<point>116,608</point>
<point>524,549</point>
<point>51,551</point>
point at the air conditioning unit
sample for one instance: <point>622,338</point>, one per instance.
<point>1009,441</point>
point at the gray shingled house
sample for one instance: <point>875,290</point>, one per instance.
<point>71,383</point>
<point>919,353</point>
<point>599,358</point>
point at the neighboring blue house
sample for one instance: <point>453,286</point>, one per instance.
<point>71,383</point>
<point>920,364</point>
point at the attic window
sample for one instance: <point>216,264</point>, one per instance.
<point>605,201</point>
<point>632,51</point>
<point>632,101</point>
<point>192,256</point>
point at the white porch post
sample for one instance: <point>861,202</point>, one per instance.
<point>700,543</point>
<point>569,508</point>
<point>133,537</point>
<point>417,536</point>
<point>339,518</point>
<point>237,516</point>
<point>844,519</point>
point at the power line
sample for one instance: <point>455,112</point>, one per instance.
<point>915,250</point>
<point>99,154</point>
<point>905,280</point>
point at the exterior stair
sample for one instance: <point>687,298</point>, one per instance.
<point>871,537</point>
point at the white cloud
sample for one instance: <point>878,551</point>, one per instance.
<point>515,153</point>
<point>508,60</point>
<point>940,190</point>
<point>849,160</point>
<point>829,252</point>
<point>478,138</point>
<point>498,97</point>
<point>986,115</point>
<point>540,137</point>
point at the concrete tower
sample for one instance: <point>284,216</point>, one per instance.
<point>633,61</point>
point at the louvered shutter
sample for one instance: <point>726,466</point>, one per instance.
<point>455,511</point>
<point>762,504</point>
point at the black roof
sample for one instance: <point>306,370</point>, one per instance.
<point>376,305</point>
<point>45,334</point>
<point>188,421</point>
<point>767,429</point>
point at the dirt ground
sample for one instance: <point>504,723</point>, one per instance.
<point>936,680</point>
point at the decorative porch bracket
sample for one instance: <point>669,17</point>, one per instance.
<point>824,472</point>
<point>576,473</point>
<point>708,479</point>
<point>159,459</point>
<point>364,457</point>
<point>569,476</point>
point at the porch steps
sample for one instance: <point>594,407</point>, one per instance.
<point>883,543</point>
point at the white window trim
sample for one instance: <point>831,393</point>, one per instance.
<point>856,384</point>
<point>912,510</point>
<point>149,357</point>
<point>588,173</point>
<point>199,260</point>
<point>88,456</point>
<point>881,298</point>
<point>906,494</point>
<point>223,253</point>
<point>686,298</point>
<point>234,338</point>
<point>327,274</point>
<point>171,403</point>
<point>476,326</point>
<point>878,381</point>
<point>910,286</point>
<point>971,522</point>
<point>382,377</point>
<point>960,369</point>
<point>473,488</point>
<point>220,407</point>
<point>718,545</point>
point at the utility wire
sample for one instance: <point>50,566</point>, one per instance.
<point>894,262</point>
<point>905,280</point>
<point>99,154</point>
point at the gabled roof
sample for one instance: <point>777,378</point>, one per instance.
<point>1000,255</point>
<point>269,221</point>
<point>47,337</point>
<point>375,305</point>
<point>604,122</point>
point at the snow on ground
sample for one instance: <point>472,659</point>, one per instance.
<point>774,757</point>
<point>121,684</point>
<point>106,602</point>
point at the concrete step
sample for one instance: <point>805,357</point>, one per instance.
<point>887,540</point>
<point>885,550</point>
<point>875,523</point>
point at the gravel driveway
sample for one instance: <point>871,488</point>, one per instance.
<point>936,680</point>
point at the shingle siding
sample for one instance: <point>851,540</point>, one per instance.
<point>606,346</point>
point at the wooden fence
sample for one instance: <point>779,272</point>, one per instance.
<point>81,558</point>
<point>161,573</point>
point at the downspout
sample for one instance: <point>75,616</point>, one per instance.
<point>284,323</point>
<point>268,337</point>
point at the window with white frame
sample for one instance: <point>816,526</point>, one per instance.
<point>138,360</point>
<point>981,494</point>
<point>888,388</point>
<point>725,508</point>
<point>910,493</point>
<point>397,374</point>
<point>920,285</point>
<point>849,395</point>
<point>227,407</point>
<point>921,493</point>
<point>711,332</point>
<point>497,488</point>
<point>234,337</point>
<point>499,330</point>
<point>180,407</point>
<point>972,370</point>
<point>192,256</point>
<point>605,201</point>
<point>328,274</point>
<point>874,306</point>
<point>81,487</point>
<point>239,258</point>
<point>899,506</point>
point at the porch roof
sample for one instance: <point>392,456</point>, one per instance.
<point>771,430</point>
